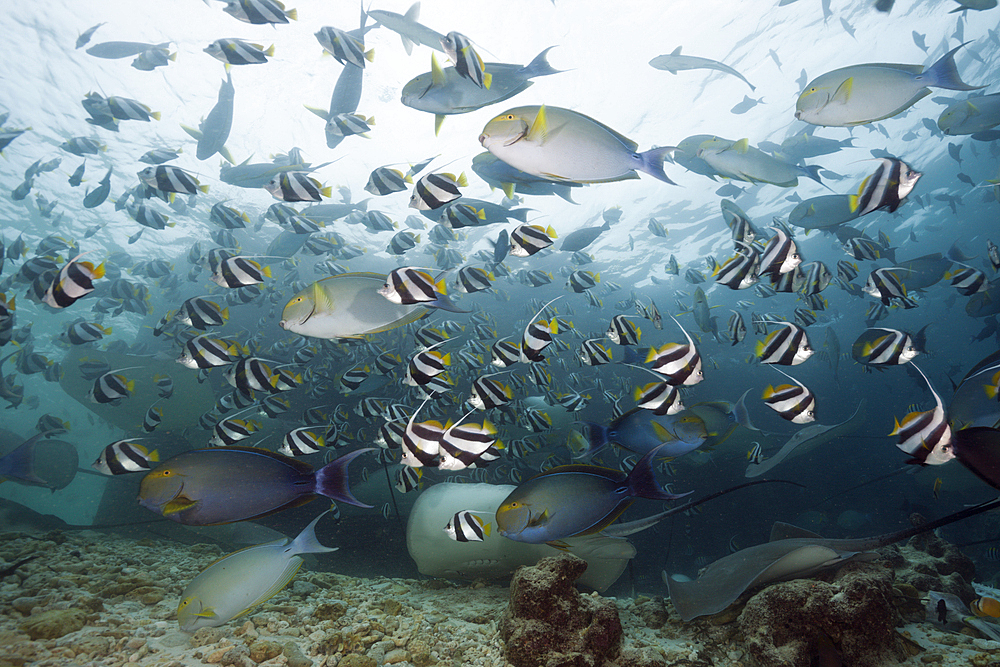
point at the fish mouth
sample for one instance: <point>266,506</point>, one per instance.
<point>798,114</point>
<point>520,135</point>
<point>482,139</point>
<point>284,324</point>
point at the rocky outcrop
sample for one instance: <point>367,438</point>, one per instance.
<point>549,624</point>
<point>848,620</point>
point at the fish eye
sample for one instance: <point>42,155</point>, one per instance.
<point>509,116</point>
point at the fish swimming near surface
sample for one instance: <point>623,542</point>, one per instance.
<point>564,145</point>
<point>862,94</point>
<point>675,62</point>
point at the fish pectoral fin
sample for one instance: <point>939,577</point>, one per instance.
<point>539,130</point>
<point>662,433</point>
<point>562,546</point>
<point>843,93</point>
<point>178,504</point>
<point>539,520</point>
<point>207,613</point>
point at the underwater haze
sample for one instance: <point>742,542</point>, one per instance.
<point>670,237</point>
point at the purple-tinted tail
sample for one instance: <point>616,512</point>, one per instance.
<point>332,480</point>
<point>642,482</point>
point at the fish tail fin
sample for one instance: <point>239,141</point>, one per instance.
<point>944,73</point>
<point>642,482</point>
<point>444,302</point>
<point>651,162</point>
<point>332,480</point>
<point>539,66</point>
<point>306,541</point>
<point>812,171</point>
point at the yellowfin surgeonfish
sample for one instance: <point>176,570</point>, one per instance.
<point>233,585</point>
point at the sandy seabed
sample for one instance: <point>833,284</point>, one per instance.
<point>91,599</point>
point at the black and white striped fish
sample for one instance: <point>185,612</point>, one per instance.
<point>474,279</point>
<point>297,186</point>
<point>303,441</point>
<point>678,363</point>
<point>793,402</point>
<point>890,347</point>
<point>153,417</point>
<point>251,374</point>
<point>847,271</point>
<point>239,271</point>
<point>787,346</point>
<point>886,189</point>
<point>344,47</point>
<point>864,248</point>
<point>741,270</point>
<point>468,64</point>
<point>537,336</point>
<point>737,327</point>
<point>505,353</point>
<point>526,240</point>
<point>408,479</point>
<point>421,441</point>
<point>885,286</point>
<point>81,333</point>
<point>967,280</point>
<point>461,445</point>
<point>621,331</point>
<point>111,387</point>
<point>74,281</point>
<point>817,277</point>
<point>487,393</point>
<point>467,527</point>
<point>124,456</point>
<point>167,178</point>
<point>239,52</point>
<point>926,436</point>
<point>661,398</point>
<point>780,255</point>
<point>230,431</point>
<point>259,12</point>
<point>435,190</point>
<point>593,353</point>
<point>426,365</point>
<point>124,108</point>
<point>201,313</point>
<point>385,181</point>
<point>347,124</point>
<point>204,352</point>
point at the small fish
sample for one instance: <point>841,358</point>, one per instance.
<point>660,397</point>
<point>936,491</point>
<point>202,352</point>
<point>847,271</point>
<point>740,271</point>
<point>408,479</point>
<point>737,327</point>
<point>347,124</point>
<point>201,313</point>
<point>755,454</point>
<point>152,419</point>
<point>346,49</point>
<point>886,189</point>
<point>238,271</point>
<point>462,445</point>
<point>672,267</point>
<point>593,353</point>
<point>680,364</point>
<point>74,281</point>
<point>926,436</point>
<point>111,387</point>
<point>885,286</point>
<point>581,281</point>
<point>467,527</point>
<point>294,186</point>
<point>409,286</point>
<point>259,12</point>
<point>167,178</point>
<point>467,62</point>
<point>621,331</point>
<point>537,336</point>
<point>968,280</point>
<point>994,254</point>
<point>435,190</point>
<point>780,255</point>
<point>239,52</point>
<point>694,276</point>
<point>487,394</point>
<point>124,456</point>
<point>793,402</point>
<point>302,442</point>
<point>788,346</point>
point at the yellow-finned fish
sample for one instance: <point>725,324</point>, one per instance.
<point>564,145</point>
<point>862,94</point>
<point>233,585</point>
<point>346,306</point>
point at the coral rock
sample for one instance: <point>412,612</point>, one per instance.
<point>806,621</point>
<point>549,624</point>
<point>53,624</point>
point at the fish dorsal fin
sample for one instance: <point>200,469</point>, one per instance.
<point>413,13</point>
<point>742,146</point>
<point>676,52</point>
<point>437,74</point>
<point>539,130</point>
<point>843,94</point>
<point>784,531</point>
<point>321,299</point>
